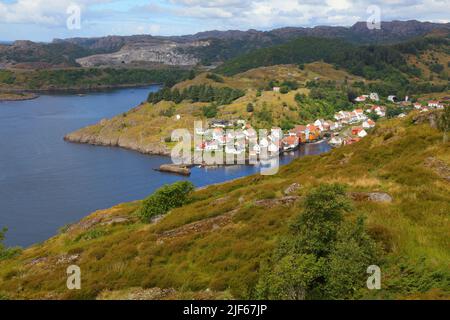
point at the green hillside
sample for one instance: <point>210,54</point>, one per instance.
<point>373,62</point>
<point>384,201</point>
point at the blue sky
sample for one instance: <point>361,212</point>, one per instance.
<point>44,20</point>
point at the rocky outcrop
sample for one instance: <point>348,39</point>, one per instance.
<point>204,225</point>
<point>173,168</point>
<point>371,196</point>
<point>439,167</point>
<point>292,188</point>
<point>430,118</point>
<point>101,140</point>
<point>270,203</point>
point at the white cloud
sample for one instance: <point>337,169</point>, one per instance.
<point>43,12</point>
<point>189,16</point>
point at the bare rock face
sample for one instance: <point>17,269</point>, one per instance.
<point>430,118</point>
<point>371,196</point>
<point>439,167</point>
<point>166,52</point>
<point>270,203</point>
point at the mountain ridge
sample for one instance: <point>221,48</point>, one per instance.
<point>221,45</point>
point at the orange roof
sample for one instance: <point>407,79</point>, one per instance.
<point>312,127</point>
<point>290,139</point>
<point>299,128</point>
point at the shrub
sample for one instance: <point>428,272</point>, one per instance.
<point>210,111</point>
<point>437,68</point>
<point>318,225</point>
<point>214,77</point>
<point>323,257</point>
<point>165,199</point>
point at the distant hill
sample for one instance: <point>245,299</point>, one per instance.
<point>215,46</point>
<point>387,62</point>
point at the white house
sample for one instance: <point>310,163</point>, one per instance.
<point>368,124</point>
<point>276,89</point>
<point>362,133</point>
<point>273,148</point>
<point>417,106</point>
<point>361,98</point>
<point>392,98</point>
<point>211,146</point>
<point>336,141</point>
<point>319,124</point>
<point>433,104</point>
<point>374,96</point>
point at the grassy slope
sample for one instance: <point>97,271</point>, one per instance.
<point>224,254</point>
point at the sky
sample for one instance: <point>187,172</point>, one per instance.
<point>44,20</point>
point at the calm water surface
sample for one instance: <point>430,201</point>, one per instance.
<point>46,182</point>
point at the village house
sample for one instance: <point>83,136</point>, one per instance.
<point>435,104</point>
<point>362,98</point>
<point>351,140</point>
<point>220,124</point>
<point>299,131</point>
<point>336,141</point>
<point>374,96</point>
<point>312,133</point>
<point>356,130</point>
<point>362,133</point>
<point>290,143</point>
<point>392,98</point>
<point>417,106</point>
<point>368,124</point>
<point>318,124</point>
<point>276,89</point>
<point>379,110</point>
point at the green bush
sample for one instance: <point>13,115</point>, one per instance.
<point>210,111</point>
<point>324,257</point>
<point>165,199</point>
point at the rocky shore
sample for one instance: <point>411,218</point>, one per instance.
<point>99,140</point>
<point>20,96</point>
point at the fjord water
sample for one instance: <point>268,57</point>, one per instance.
<point>46,183</point>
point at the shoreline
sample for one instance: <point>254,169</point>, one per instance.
<point>76,90</point>
<point>16,94</point>
<point>22,96</point>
